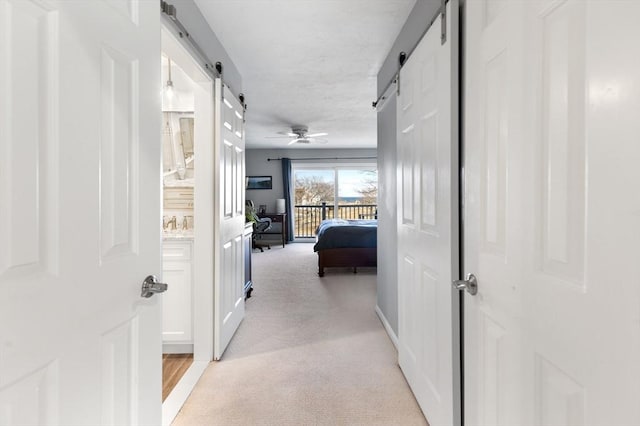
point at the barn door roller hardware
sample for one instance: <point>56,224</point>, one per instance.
<point>169,10</point>
<point>402,58</point>
<point>214,70</point>
<point>172,13</point>
<point>443,21</point>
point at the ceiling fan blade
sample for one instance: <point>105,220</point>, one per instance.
<point>313,135</point>
<point>289,133</point>
<point>295,141</point>
<point>280,137</point>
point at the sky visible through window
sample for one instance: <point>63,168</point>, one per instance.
<point>350,182</point>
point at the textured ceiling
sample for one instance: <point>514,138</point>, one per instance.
<point>308,62</point>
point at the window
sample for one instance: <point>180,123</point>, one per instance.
<point>344,192</point>
<point>313,187</point>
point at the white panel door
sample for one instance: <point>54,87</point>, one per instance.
<point>80,212</point>
<point>428,221</point>
<point>229,288</point>
<point>552,213</point>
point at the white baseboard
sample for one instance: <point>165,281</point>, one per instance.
<point>387,327</point>
<point>178,396</point>
<point>177,348</point>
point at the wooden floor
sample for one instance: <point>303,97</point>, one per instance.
<point>173,368</point>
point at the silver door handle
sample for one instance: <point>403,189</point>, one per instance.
<point>151,286</point>
<point>470,284</point>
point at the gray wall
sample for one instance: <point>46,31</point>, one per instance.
<point>257,165</point>
<point>416,25</point>
<point>200,31</point>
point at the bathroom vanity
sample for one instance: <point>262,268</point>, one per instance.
<point>177,303</point>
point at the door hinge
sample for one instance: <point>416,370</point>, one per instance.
<point>443,21</point>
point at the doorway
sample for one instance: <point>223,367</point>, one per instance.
<point>187,142</point>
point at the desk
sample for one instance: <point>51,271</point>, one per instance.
<point>278,225</point>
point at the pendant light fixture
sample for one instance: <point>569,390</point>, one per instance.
<point>169,86</point>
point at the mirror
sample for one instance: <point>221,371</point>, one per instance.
<point>177,147</point>
<point>186,136</point>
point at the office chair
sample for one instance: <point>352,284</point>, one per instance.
<point>260,225</point>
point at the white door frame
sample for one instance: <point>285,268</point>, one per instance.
<point>204,205</point>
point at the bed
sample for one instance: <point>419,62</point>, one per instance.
<point>346,243</point>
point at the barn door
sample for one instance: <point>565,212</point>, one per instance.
<point>428,220</point>
<point>80,212</point>
<point>229,287</point>
<point>552,213</point>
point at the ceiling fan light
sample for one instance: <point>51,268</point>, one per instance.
<point>300,135</point>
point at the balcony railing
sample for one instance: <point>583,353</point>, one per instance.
<point>308,217</point>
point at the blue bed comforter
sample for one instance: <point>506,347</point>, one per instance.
<point>341,233</point>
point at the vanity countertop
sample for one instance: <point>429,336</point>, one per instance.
<point>166,236</point>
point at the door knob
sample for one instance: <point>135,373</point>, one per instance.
<point>470,284</point>
<point>151,286</point>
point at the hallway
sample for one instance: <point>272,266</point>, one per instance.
<point>309,351</point>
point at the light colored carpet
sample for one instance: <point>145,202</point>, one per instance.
<point>310,351</point>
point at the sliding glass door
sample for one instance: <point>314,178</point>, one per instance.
<point>340,192</point>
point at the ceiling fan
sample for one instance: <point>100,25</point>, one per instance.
<point>301,135</point>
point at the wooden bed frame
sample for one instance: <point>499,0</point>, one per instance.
<point>347,257</point>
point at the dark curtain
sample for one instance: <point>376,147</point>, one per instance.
<point>288,199</point>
